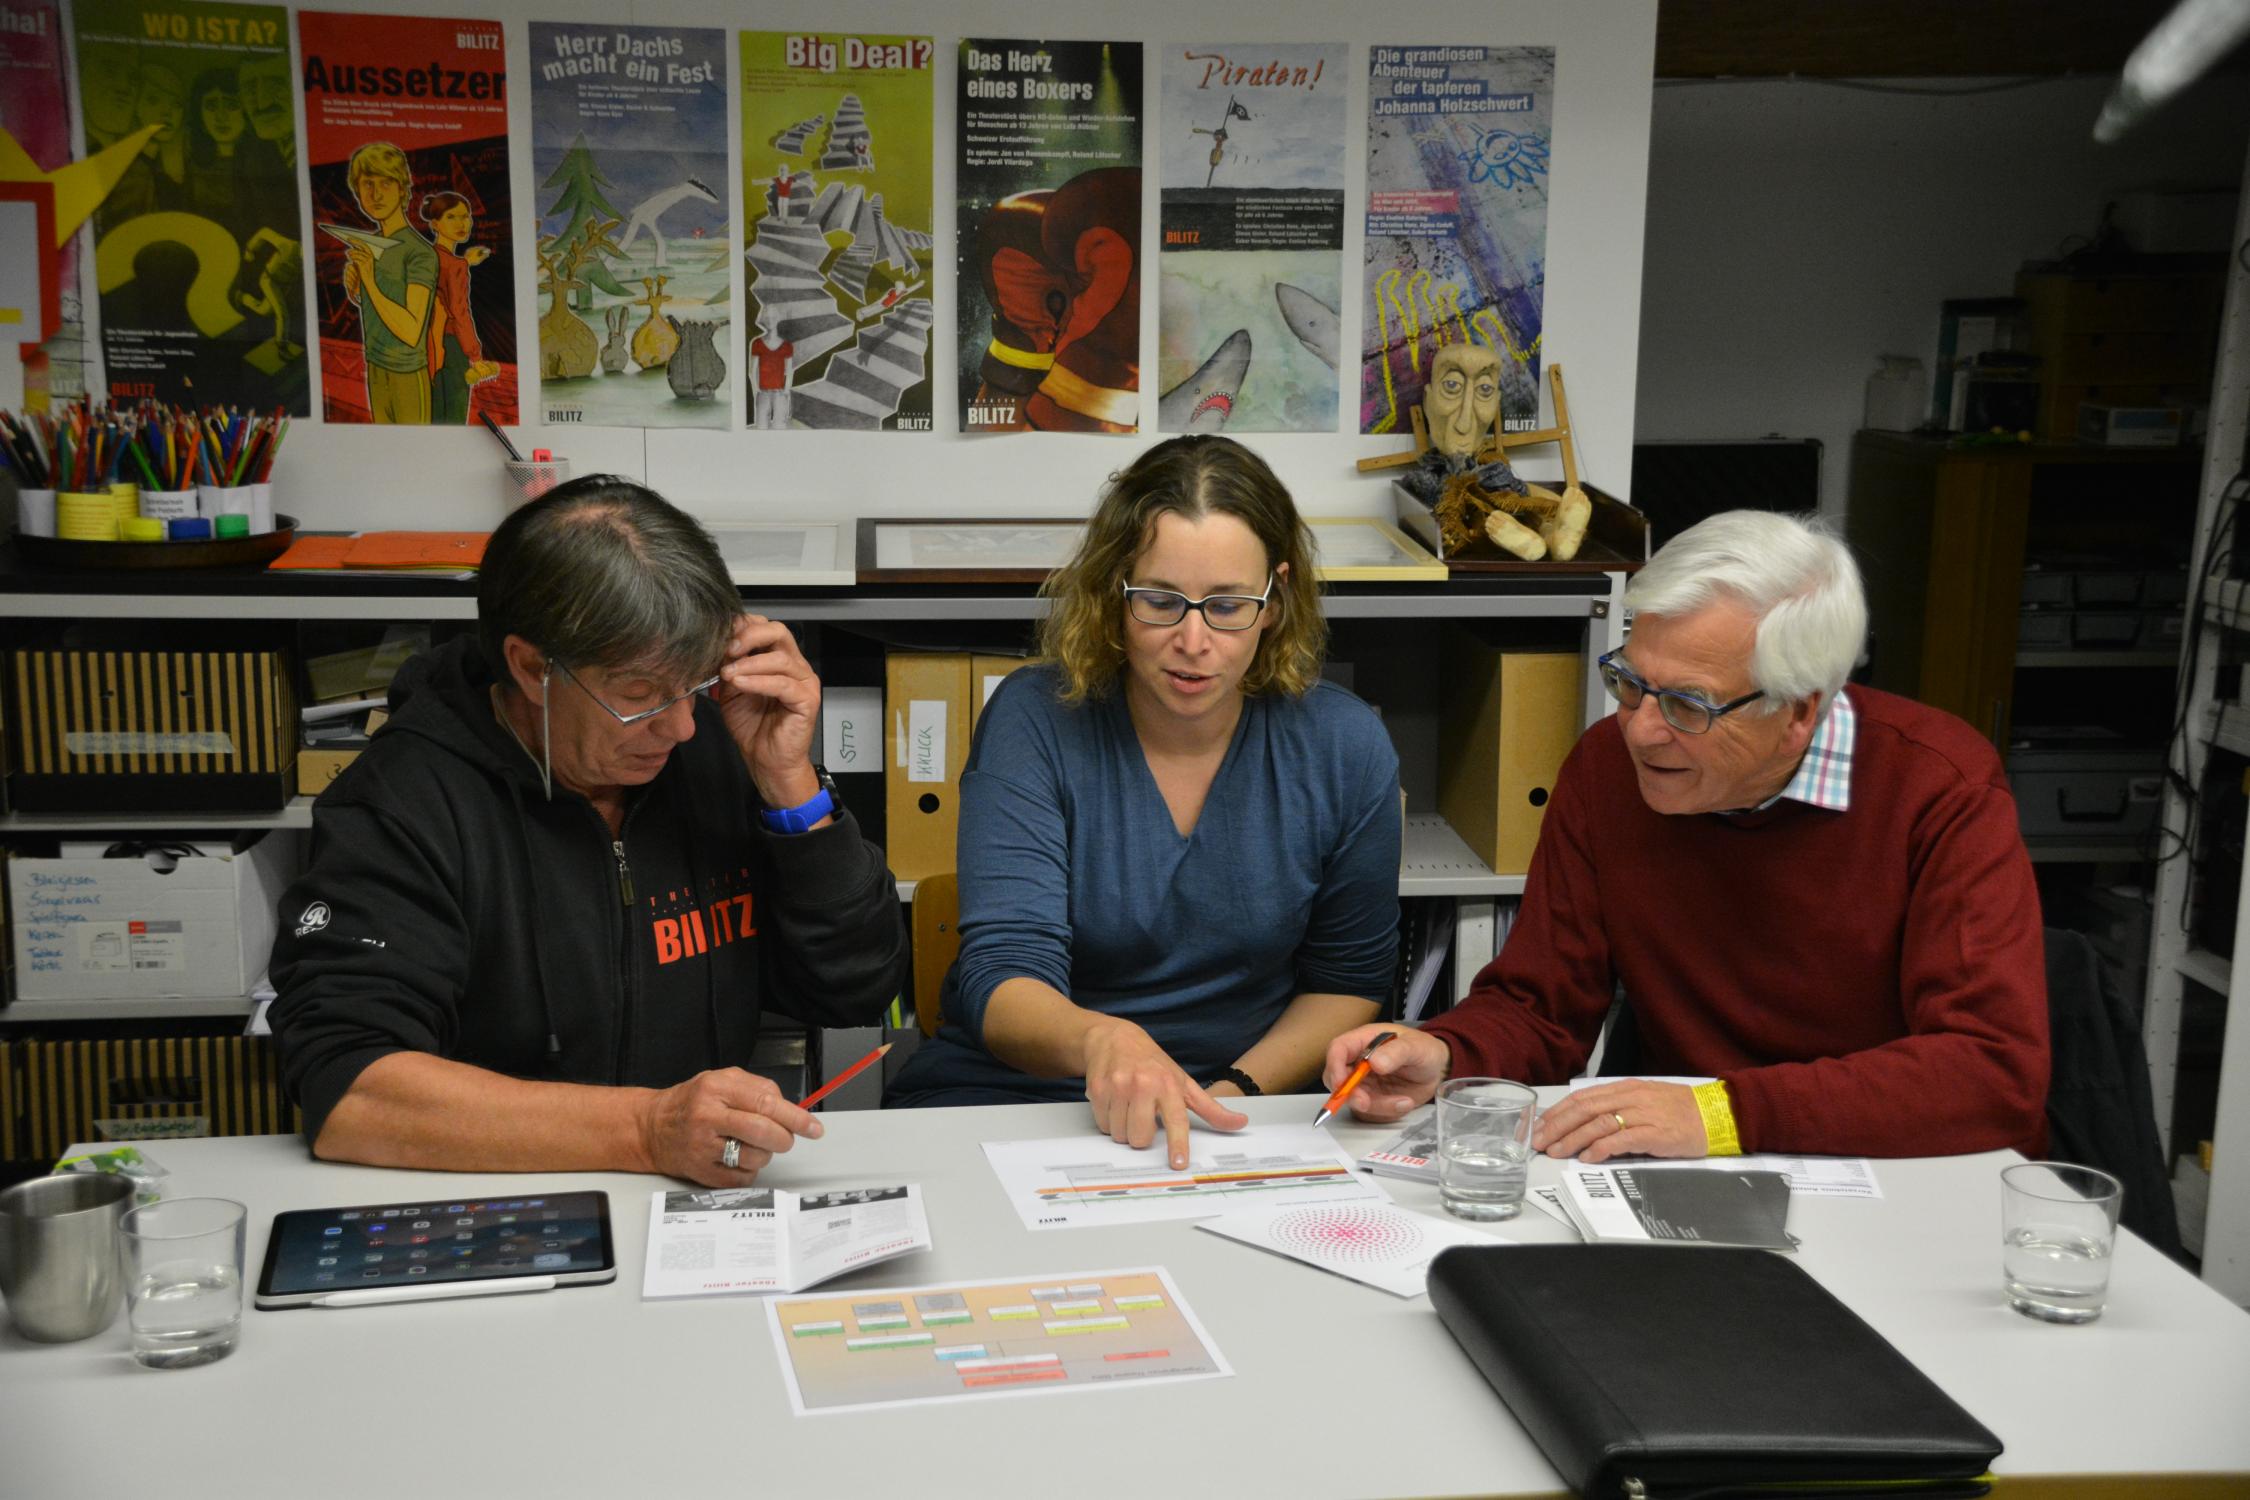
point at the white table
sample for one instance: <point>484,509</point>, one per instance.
<point>590,1391</point>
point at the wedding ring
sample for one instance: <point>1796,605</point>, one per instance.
<point>731,1157</point>
<point>1620,1119</point>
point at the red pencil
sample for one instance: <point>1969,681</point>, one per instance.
<point>841,1079</point>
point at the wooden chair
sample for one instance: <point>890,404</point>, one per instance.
<point>937,938</point>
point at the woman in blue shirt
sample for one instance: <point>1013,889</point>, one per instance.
<point>1179,847</point>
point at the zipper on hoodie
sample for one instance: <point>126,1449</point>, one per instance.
<point>624,873</point>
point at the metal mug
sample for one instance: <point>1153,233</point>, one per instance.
<point>60,1269</point>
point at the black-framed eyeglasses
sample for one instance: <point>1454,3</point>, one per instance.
<point>1685,712</point>
<point>641,715</point>
<point>1220,611</point>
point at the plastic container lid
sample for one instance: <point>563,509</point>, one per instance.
<point>226,526</point>
<point>191,528</point>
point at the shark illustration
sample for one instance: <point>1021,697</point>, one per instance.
<point>1204,401</point>
<point>1312,320</point>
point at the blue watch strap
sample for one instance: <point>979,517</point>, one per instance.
<point>801,817</point>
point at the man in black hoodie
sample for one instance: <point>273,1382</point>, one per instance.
<point>545,908</point>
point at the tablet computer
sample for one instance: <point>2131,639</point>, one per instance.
<point>422,1247</point>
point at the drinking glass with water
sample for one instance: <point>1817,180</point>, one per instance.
<point>1484,1146</point>
<point>2058,1227</point>
<point>183,1287</point>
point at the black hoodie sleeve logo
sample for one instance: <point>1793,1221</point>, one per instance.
<point>312,919</point>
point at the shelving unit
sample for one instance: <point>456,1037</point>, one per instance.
<point>1436,862</point>
<point>2217,720</point>
<point>297,814</point>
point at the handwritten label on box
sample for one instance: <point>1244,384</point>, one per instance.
<point>851,729</point>
<point>922,750</point>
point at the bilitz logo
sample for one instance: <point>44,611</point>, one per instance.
<point>313,918</point>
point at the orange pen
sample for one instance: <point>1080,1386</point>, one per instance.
<point>1352,1080</point>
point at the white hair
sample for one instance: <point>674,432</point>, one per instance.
<point>1793,572</point>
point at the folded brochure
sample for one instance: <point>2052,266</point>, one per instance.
<point>1665,1206</point>
<point>704,1242</point>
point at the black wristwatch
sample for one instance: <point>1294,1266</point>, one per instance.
<point>1238,1078</point>
<point>825,803</point>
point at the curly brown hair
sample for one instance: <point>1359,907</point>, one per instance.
<point>1193,476</point>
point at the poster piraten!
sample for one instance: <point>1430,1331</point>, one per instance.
<point>1049,219</point>
<point>836,133</point>
<point>1251,251</point>
<point>197,251</point>
<point>629,148</point>
<point>1458,140</point>
<point>406,130</point>
<point>32,112</point>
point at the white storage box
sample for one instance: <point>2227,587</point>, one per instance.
<point>152,927</point>
<point>2129,426</point>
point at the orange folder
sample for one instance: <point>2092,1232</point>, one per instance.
<point>451,550</point>
<point>410,551</point>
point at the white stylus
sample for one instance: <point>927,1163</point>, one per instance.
<point>430,1292</point>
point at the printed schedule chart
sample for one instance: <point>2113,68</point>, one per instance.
<point>967,1340</point>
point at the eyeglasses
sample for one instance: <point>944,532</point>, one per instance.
<point>645,714</point>
<point>1683,711</point>
<point>1219,611</point>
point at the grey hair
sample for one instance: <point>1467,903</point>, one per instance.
<point>603,572</point>
<point>1793,572</point>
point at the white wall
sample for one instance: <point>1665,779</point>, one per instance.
<point>1798,230</point>
<point>377,477</point>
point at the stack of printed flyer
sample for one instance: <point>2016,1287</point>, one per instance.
<point>707,1241</point>
<point>1675,1206</point>
<point>1412,1153</point>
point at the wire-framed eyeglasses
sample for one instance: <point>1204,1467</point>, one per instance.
<point>1685,712</point>
<point>641,715</point>
<point>1162,607</point>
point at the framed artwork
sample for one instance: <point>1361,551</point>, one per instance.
<point>783,553</point>
<point>1362,549</point>
<point>948,550</point>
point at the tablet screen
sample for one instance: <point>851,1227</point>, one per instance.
<point>565,1235</point>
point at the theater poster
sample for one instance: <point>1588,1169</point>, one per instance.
<point>198,250</point>
<point>636,267</point>
<point>33,113</point>
<point>406,130</point>
<point>1458,140</point>
<point>1251,253</point>
<point>837,246</point>
<point>1048,192</point>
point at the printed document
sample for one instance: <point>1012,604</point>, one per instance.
<point>1078,1181</point>
<point>703,1242</point>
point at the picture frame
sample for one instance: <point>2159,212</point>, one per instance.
<point>783,554</point>
<point>1365,549</point>
<point>960,549</point>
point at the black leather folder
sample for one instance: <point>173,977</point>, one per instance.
<point>1650,1370</point>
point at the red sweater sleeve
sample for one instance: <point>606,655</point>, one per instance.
<point>1971,1072</point>
<point>1532,1013</point>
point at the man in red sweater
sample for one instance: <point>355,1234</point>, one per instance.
<point>1816,895</point>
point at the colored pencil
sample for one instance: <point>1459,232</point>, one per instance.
<point>841,1079</point>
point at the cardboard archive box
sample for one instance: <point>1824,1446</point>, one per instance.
<point>110,929</point>
<point>1509,719</point>
<point>151,731</point>
<point>317,768</point>
<point>926,699</point>
<point>985,675</point>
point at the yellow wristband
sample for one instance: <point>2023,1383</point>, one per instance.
<point>1718,1120</point>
